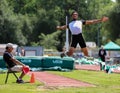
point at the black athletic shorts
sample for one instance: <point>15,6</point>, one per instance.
<point>78,39</point>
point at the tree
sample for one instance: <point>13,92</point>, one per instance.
<point>23,6</point>
<point>49,41</point>
<point>95,9</point>
<point>113,25</point>
<point>26,20</point>
<point>10,25</point>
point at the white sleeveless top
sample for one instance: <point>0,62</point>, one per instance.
<point>76,27</point>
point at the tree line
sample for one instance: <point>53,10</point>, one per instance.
<point>33,22</point>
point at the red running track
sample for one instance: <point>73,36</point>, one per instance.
<point>88,67</point>
<point>93,68</point>
<point>58,81</point>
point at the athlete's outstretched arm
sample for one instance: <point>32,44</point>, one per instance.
<point>62,27</point>
<point>103,19</point>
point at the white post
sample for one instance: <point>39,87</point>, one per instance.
<point>67,36</point>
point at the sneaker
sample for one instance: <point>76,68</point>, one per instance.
<point>63,55</point>
<point>19,81</point>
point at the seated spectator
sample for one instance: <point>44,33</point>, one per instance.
<point>14,64</point>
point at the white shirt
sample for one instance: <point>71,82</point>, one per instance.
<point>76,27</point>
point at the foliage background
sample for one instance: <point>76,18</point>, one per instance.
<point>33,22</point>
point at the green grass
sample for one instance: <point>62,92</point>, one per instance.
<point>105,83</point>
<point>13,87</point>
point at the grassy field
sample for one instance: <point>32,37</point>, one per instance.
<point>105,83</point>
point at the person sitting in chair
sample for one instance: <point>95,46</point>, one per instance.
<point>14,64</point>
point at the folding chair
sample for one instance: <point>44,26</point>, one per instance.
<point>9,72</point>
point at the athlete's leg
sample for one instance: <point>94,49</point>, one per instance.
<point>73,45</point>
<point>71,51</point>
<point>85,51</point>
<point>83,45</point>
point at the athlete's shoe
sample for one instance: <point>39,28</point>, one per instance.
<point>63,55</point>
